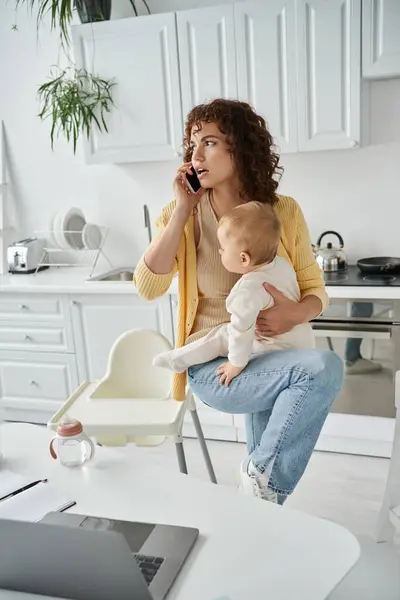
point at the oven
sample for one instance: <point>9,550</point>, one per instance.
<point>362,417</point>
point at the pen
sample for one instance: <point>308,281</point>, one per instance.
<point>66,506</point>
<point>23,489</point>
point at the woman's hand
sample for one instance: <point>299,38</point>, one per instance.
<point>226,372</point>
<point>186,201</point>
<point>160,258</point>
<point>281,318</point>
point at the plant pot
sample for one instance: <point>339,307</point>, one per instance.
<point>90,11</point>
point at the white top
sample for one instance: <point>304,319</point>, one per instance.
<point>248,549</point>
<point>248,296</point>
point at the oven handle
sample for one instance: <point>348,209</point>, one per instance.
<point>346,330</point>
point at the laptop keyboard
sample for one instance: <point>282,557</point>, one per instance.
<point>149,566</point>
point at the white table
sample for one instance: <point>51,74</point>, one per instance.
<point>248,549</point>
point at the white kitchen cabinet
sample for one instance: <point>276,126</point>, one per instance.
<point>141,56</point>
<point>206,55</point>
<point>50,343</point>
<point>36,338</point>
<point>98,320</point>
<point>216,425</point>
<point>381,39</point>
<point>266,65</point>
<point>240,426</point>
<point>38,370</point>
<point>329,58</point>
<point>34,385</point>
<point>38,308</point>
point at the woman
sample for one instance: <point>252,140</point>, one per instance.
<point>285,395</point>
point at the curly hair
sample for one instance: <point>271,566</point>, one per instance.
<point>251,145</point>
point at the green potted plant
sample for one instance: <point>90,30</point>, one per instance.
<point>61,12</point>
<point>75,101</point>
<point>90,11</point>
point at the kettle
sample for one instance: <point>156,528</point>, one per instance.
<point>329,257</point>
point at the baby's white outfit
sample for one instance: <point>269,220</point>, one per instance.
<point>236,339</point>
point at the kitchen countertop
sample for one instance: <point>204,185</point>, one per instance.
<point>73,280</point>
<point>66,280</point>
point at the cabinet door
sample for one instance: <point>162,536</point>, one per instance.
<point>216,425</point>
<point>99,320</point>
<point>141,56</point>
<point>381,38</point>
<point>266,65</point>
<point>35,308</point>
<point>34,385</point>
<point>328,49</point>
<point>206,55</point>
<point>35,338</point>
<point>240,427</point>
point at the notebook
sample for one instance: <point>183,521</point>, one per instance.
<point>25,499</point>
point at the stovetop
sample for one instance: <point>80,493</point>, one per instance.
<point>353,276</point>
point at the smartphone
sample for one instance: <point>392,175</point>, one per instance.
<point>193,181</point>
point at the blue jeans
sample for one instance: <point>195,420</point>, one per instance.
<point>286,396</point>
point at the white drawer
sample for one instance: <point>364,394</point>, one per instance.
<point>36,380</point>
<point>42,339</point>
<point>33,307</point>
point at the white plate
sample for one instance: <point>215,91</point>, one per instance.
<point>91,236</point>
<point>57,231</point>
<point>72,225</point>
<point>51,240</point>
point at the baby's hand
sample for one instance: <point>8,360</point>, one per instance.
<point>227,372</point>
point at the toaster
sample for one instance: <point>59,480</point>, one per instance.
<point>24,256</point>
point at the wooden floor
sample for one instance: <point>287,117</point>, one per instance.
<point>343,488</point>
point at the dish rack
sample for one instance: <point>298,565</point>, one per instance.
<point>55,256</point>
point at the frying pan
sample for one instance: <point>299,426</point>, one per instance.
<point>379,265</point>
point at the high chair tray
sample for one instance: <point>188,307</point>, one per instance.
<point>118,416</point>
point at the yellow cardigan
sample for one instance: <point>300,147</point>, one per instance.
<point>295,246</point>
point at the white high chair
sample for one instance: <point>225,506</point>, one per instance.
<point>389,515</point>
<point>133,402</point>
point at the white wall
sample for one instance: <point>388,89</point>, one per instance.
<point>355,192</point>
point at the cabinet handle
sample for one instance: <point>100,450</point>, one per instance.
<point>23,307</point>
<point>74,303</point>
<point>32,382</point>
<point>353,143</point>
<point>27,338</point>
<point>175,303</point>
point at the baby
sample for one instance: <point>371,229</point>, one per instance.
<point>249,237</point>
